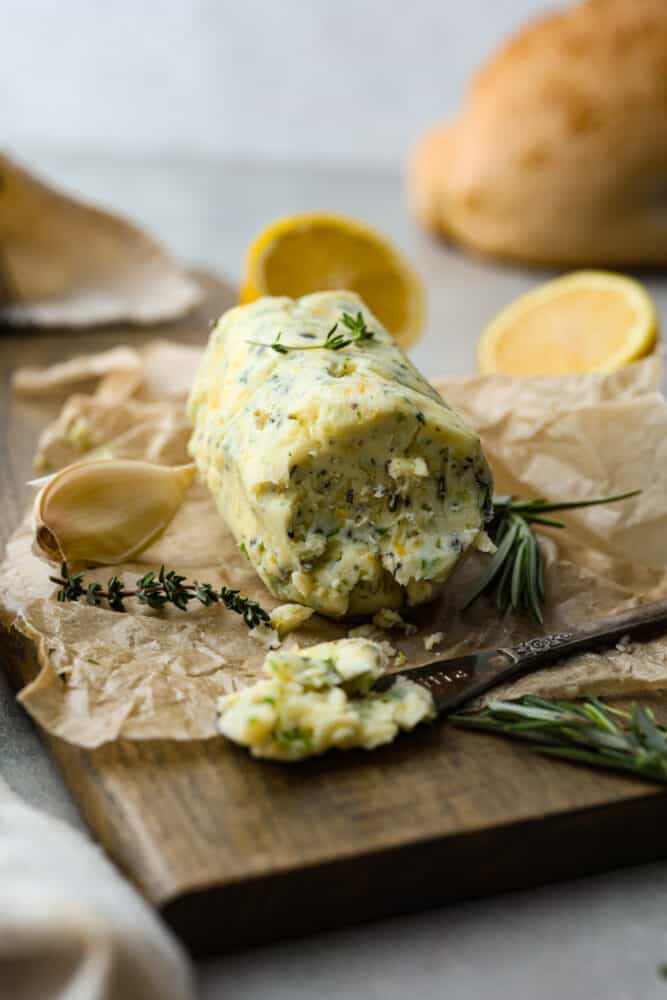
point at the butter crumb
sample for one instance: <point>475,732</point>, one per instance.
<point>484,544</point>
<point>265,636</point>
<point>624,645</point>
<point>435,639</point>
<point>387,648</point>
<point>369,631</point>
<point>366,631</point>
<point>388,619</point>
<point>287,618</point>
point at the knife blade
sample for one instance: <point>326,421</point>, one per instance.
<point>454,681</point>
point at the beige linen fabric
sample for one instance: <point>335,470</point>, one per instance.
<point>71,927</point>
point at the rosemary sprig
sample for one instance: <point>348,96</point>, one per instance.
<point>516,570</point>
<point>586,732</point>
<point>358,332</point>
<point>157,589</point>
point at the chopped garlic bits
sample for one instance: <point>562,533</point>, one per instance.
<point>406,467</point>
<point>106,511</point>
<point>318,698</point>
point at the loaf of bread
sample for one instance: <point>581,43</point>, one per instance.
<point>559,155</point>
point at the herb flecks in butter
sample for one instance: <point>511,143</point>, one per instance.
<point>359,488</point>
<point>312,700</point>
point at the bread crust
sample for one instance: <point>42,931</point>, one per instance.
<point>559,155</point>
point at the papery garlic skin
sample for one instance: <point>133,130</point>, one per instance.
<point>108,511</point>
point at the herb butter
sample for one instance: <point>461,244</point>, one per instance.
<point>287,618</point>
<point>318,698</point>
<point>346,480</point>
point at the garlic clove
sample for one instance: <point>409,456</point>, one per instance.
<point>106,511</point>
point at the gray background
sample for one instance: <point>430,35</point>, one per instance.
<point>202,121</point>
<point>350,81</point>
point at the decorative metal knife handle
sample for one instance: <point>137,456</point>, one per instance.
<point>455,681</point>
<point>540,643</point>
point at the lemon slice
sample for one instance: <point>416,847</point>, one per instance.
<point>313,252</point>
<point>586,321</point>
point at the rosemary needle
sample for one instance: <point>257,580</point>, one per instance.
<point>516,570</point>
<point>586,732</point>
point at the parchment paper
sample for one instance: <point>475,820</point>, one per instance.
<point>66,263</point>
<point>147,675</point>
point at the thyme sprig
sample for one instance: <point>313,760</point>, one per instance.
<point>516,570</point>
<point>586,732</point>
<point>356,325</point>
<point>156,589</point>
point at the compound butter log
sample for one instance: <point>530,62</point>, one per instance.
<point>345,478</point>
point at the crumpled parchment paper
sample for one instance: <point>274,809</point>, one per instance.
<point>149,675</point>
<point>65,263</point>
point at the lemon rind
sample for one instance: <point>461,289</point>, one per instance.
<point>640,339</point>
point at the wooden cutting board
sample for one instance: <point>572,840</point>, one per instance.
<point>232,850</point>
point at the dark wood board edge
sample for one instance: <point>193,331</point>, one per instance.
<point>21,663</point>
<point>375,884</point>
<point>419,876</point>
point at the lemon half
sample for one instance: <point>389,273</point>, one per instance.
<point>313,252</point>
<point>586,321</point>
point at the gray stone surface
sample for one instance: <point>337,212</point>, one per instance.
<point>24,763</point>
<point>594,938</point>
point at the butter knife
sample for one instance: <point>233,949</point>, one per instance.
<point>454,681</point>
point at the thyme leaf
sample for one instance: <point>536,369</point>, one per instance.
<point>156,590</point>
<point>356,325</point>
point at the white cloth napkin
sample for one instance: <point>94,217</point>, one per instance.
<point>71,927</point>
